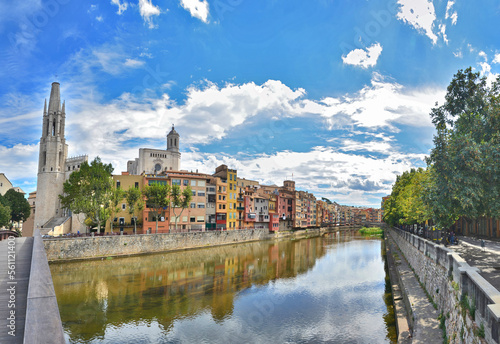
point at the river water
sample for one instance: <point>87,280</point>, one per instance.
<point>330,289</point>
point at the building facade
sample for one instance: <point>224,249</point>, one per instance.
<point>151,161</point>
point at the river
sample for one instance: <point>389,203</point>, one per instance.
<point>330,289</point>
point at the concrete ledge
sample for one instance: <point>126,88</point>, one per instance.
<point>43,321</point>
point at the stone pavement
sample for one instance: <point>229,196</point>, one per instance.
<point>425,324</point>
<point>23,250</point>
<point>487,260</point>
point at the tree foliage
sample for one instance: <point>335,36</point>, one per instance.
<point>180,199</point>
<point>88,191</point>
<point>406,205</point>
<point>20,208</point>
<point>467,147</point>
<point>463,173</point>
<point>157,199</point>
<point>135,203</point>
<point>116,196</point>
<point>4,214</point>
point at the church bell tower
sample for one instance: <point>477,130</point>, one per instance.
<point>51,160</point>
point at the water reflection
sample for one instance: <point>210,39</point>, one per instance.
<point>325,289</point>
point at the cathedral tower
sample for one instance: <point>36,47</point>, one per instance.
<point>173,141</point>
<point>51,160</point>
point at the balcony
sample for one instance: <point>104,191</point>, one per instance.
<point>240,199</point>
<point>240,208</point>
<point>252,216</point>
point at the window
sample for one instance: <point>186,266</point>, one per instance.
<point>176,182</point>
<point>194,192</point>
<point>193,182</point>
<point>201,193</point>
<point>192,219</point>
<point>201,183</point>
<point>158,182</point>
<point>201,205</point>
<point>185,182</point>
<point>230,205</point>
<point>136,185</point>
<point>157,167</point>
<point>230,196</point>
<point>192,205</point>
<point>117,184</point>
<point>184,219</point>
<point>124,206</point>
<point>220,197</point>
<point>200,218</point>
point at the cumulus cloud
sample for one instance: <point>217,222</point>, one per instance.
<point>382,104</point>
<point>420,14</point>
<point>198,8</point>
<point>148,10</point>
<point>364,58</point>
<point>122,7</point>
<point>351,177</point>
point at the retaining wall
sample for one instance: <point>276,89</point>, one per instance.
<point>122,245</point>
<point>448,279</point>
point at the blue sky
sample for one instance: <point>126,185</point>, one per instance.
<point>336,92</point>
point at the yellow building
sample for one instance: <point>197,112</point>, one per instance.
<point>122,220</point>
<point>230,177</point>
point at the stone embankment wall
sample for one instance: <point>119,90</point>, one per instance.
<point>123,245</point>
<point>470,306</point>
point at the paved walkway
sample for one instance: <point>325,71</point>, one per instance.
<point>487,260</point>
<point>425,324</point>
<point>23,249</point>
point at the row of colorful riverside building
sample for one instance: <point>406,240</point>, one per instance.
<point>223,201</point>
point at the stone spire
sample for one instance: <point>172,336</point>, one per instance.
<point>55,98</point>
<point>45,107</point>
<point>63,107</point>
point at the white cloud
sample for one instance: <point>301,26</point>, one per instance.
<point>420,14</point>
<point>364,58</point>
<point>458,54</point>
<point>449,14</point>
<point>198,8</point>
<point>19,161</point>
<point>133,63</point>
<point>99,19</point>
<point>148,10</point>
<point>351,178</point>
<point>496,59</point>
<point>381,105</point>
<point>122,7</point>
<point>442,30</point>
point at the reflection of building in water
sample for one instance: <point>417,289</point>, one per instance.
<point>176,285</point>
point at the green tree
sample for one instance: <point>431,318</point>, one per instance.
<point>116,197</point>
<point>4,215</point>
<point>88,191</point>
<point>157,199</point>
<point>20,208</point>
<point>465,170</point>
<point>180,199</point>
<point>135,203</point>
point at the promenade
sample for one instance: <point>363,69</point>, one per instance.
<point>14,292</point>
<point>487,260</point>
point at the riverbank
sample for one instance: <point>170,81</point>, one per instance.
<point>81,248</point>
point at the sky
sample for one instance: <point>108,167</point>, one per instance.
<point>333,94</point>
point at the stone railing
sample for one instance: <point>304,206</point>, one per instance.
<point>485,297</point>
<point>43,322</point>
